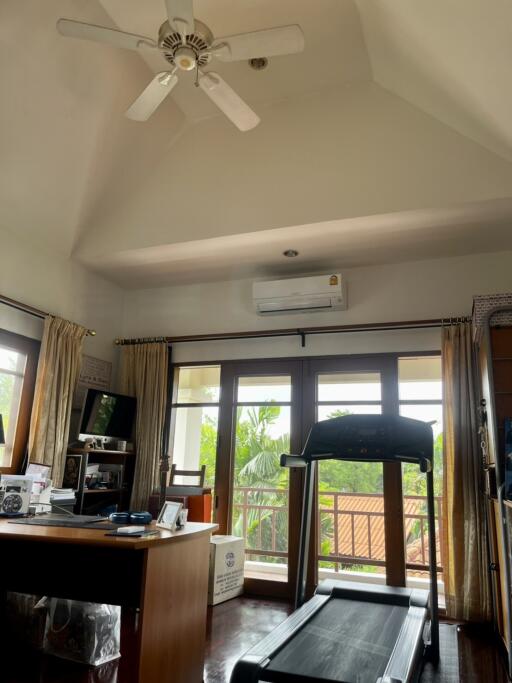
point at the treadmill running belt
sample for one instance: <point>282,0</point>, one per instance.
<point>348,641</point>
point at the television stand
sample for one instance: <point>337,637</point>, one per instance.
<point>91,501</point>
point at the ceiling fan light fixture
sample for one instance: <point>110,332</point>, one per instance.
<point>185,58</point>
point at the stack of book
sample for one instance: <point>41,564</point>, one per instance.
<point>64,497</point>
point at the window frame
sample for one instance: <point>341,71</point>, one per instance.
<point>422,402</point>
<point>305,408</point>
<point>29,347</point>
<point>175,405</point>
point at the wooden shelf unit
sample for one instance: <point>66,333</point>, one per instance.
<point>92,501</point>
<point>495,364</point>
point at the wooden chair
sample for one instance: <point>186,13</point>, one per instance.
<point>195,497</point>
<point>175,472</point>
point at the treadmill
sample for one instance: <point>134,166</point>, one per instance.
<point>349,632</point>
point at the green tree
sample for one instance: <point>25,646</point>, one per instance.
<point>208,446</point>
<point>257,467</point>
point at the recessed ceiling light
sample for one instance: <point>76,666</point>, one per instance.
<point>258,63</point>
<point>291,253</point>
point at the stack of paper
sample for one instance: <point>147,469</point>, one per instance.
<point>62,495</point>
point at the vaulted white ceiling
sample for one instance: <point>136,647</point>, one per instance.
<point>336,53</point>
<point>388,138</point>
<point>450,58</point>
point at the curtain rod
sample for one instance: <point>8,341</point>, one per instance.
<point>25,308</point>
<point>300,332</point>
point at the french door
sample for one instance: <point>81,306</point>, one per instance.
<point>257,499</point>
<point>359,528</point>
<point>267,408</point>
<point>236,418</point>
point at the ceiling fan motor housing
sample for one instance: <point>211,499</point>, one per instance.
<point>189,55</point>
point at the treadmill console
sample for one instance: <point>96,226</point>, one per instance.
<point>371,437</point>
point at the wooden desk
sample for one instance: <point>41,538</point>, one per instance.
<point>165,576</point>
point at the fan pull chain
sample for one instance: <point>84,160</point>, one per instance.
<point>197,76</point>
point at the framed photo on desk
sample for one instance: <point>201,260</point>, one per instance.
<point>169,515</point>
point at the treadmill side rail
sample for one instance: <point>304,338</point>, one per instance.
<point>248,668</point>
<point>409,648</point>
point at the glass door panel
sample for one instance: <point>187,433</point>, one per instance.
<point>12,373</point>
<point>260,497</point>
<point>260,493</point>
<point>350,494</point>
<point>195,418</point>
<point>420,397</point>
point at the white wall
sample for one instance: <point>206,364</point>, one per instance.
<point>36,276</point>
<point>406,291</point>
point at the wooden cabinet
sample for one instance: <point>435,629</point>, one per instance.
<point>495,364</point>
<point>164,577</point>
<point>93,500</point>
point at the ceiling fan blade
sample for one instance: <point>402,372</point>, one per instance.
<point>283,40</point>
<point>152,96</point>
<point>181,15</point>
<point>226,99</point>
<point>100,34</point>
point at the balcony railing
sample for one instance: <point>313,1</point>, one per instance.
<point>352,527</point>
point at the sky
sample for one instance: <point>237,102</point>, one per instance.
<point>425,390</point>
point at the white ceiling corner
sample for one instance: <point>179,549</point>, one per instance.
<point>450,59</point>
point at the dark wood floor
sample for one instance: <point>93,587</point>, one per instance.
<point>234,626</point>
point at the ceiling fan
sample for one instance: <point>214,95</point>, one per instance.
<point>188,44</point>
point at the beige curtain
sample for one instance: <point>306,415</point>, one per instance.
<point>464,538</point>
<point>57,374</point>
<point>144,375</point>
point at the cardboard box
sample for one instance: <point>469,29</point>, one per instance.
<point>227,558</point>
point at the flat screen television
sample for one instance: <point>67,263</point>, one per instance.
<point>108,414</point>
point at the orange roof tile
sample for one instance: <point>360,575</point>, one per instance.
<point>360,526</point>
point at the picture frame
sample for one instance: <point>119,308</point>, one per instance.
<point>169,515</point>
<point>35,469</point>
<point>72,472</point>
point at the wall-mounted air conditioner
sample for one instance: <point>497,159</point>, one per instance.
<point>297,295</point>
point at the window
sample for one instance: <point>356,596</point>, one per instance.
<point>350,538</point>
<point>18,361</point>
<point>195,420</point>
<point>262,408</point>
<point>261,485</point>
<point>420,391</point>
